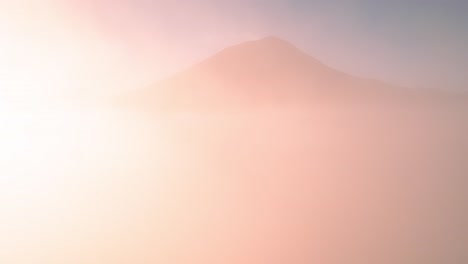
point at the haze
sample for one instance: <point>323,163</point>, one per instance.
<point>213,132</point>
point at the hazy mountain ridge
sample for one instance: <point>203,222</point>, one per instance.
<point>269,71</point>
<point>366,172</point>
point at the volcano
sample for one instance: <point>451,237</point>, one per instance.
<point>265,72</point>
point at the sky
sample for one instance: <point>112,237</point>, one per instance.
<point>98,47</point>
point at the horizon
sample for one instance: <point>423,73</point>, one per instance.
<point>234,132</point>
<point>417,44</point>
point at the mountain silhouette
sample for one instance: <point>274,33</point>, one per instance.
<point>268,71</point>
<point>342,184</point>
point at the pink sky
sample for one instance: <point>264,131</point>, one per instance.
<point>97,48</point>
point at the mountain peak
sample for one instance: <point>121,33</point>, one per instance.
<point>265,70</point>
<point>266,53</point>
<point>268,43</point>
<point>272,39</point>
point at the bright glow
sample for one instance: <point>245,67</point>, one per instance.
<point>47,52</point>
<point>82,184</point>
<point>56,159</point>
<point>61,165</point>
<point>34,135</point>
<point>63,170</point>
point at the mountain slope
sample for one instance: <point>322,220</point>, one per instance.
<point>269,71</point>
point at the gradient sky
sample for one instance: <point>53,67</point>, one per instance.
<point>420,43</point>
<point>415,42</point>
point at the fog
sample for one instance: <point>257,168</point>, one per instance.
<point>328,183</point>
<point>271,155</point>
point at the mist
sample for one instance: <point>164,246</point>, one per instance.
<point>133,133</point>
<point>326,184</point>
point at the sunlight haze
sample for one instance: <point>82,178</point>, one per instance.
<point>203,132</point>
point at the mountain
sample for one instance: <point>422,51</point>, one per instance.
<point>352,183</point>
<point>268,71</point>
